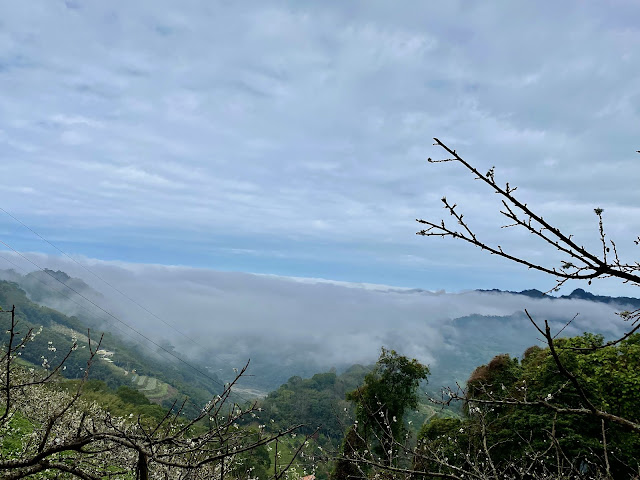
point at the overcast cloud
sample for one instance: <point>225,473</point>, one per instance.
<point>290,137</point>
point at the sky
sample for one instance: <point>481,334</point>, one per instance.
<point>291,138</point>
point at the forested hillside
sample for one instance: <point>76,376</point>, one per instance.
<point>120,363</point>
<point>522,415</point>
<point>316,401</point>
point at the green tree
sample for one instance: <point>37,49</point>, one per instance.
<point>388,392</point>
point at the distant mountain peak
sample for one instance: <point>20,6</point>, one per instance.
<point>42,287</point>
<point>533,293</point>
<point>59,274</point>
<point>528,293</point>
<point>577,294</point>
<point>583,294</point>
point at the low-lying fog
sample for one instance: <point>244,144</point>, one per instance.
<point>293,326</point>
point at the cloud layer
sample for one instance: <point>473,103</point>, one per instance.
<point>291,138</point>
<point>302,326</point>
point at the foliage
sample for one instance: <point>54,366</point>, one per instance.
<point>121,402</point>
<point>506,410</point>
<point>314,401</point>
<point>385,396</point>
<point>388,391</point>
<point>319,405</point>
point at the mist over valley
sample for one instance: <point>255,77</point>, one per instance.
<point>298,327</point>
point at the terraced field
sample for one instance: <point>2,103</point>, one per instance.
<point>154,389</point>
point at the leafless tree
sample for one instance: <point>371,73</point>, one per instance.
<point>579,263</point>
<point>60,432</point>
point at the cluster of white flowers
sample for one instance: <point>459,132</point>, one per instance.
<point>57,418</point>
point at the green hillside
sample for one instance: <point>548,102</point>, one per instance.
<point>119,363</point>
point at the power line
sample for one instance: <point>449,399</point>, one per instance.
<point>84,307</point>
<point>63,294</point>
<point>103,280</point>
<point>204,374</point>
<point>173,327</point>
<point>192,340</point>
<point>113,325</point>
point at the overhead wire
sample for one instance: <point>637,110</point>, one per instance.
<point>109,284</point>
<point>60,292</point>
<point>142,335</point>
<point>87,269</point>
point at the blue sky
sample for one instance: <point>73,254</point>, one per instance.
<point>290,138</point>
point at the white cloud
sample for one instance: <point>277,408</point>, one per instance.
<point>311,122</point>
<point>68,120</point>
<point>316,323</point>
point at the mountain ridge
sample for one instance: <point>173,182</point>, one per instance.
<point>577,294</point>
